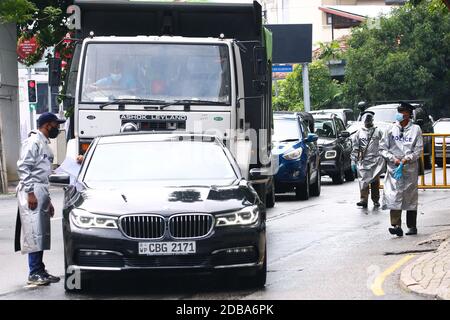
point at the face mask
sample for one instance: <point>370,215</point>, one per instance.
<point>368,124</point>
<point>116,76</point>
<point>399,117</point>
<point>53,133</point>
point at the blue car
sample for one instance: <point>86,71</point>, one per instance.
<point>297,153</point>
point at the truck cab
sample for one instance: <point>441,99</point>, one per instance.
<point>199,68</point>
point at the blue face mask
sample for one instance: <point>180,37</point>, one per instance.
<point>399,117</point>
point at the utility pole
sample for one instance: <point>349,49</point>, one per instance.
<point>305,77</point>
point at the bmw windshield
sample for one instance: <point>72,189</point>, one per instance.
<point>166,163</point>
<point>161,72</point>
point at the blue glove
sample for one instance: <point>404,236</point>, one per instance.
<point>398,172</point>
<point>354,168</point>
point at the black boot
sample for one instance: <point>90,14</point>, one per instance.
<point>362,204</point>
<point>397,230</point>
<point>411,231</point>
<point>376,204</point>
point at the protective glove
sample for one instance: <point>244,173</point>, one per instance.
<point>354,168</point>
<point>398,172</point>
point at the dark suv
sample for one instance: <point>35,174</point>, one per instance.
<point>335,147</point>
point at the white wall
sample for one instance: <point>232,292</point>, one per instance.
<point>9,108</point>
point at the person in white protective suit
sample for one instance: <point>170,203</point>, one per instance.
<point>402,146</point>
<point>35,208</point>
<point>367,161</point>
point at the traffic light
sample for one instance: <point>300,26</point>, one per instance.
<point>32,96</point>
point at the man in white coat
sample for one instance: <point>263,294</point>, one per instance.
<point>402,146</point>
<point>367,161</point>
<point>35,207</point>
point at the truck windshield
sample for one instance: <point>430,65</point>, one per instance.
<point>166,72</point>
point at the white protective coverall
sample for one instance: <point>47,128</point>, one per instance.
<point>401,194</point>
<point>368,159</point>
<point>34,167</point>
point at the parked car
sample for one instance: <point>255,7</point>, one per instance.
<point>298,155</point>
<point>385,116</point>
<point>346,115</point>
<point>442,126</point>
<point>335,148</point>
<point>162,202</point>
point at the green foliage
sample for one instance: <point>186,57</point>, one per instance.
<point>324,92</point>
<point>330,51</point>
<point>41,18</point>
<point>16,11</point>
<point>406,58</point>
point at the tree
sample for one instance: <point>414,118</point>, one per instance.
<point>324,91</point>
<point>43,19</point>
<point>407,57</point>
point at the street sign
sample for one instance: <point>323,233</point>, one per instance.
<point>286,68</point>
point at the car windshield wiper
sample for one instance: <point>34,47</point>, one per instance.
<point>190,101</point>
<point>131,100</point>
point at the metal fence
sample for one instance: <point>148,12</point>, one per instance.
<point>439,154</point>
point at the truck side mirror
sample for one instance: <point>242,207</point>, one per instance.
<point>260,61</point>
<point>54,72</point>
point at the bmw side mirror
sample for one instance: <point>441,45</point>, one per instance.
<point>344,134</point>
<point>312,137</point>
<point>60,180</point>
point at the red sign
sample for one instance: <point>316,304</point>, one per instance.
<point>25,47</point>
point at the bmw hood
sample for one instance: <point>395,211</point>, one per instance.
<point>162,200</point>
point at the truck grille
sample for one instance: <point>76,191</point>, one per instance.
<point>143,226</point>
<point>190,225</point>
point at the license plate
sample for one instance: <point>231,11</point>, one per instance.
<point>167,248</point>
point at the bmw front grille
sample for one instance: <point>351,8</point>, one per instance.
<point>180,226</point>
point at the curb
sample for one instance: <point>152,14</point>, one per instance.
<point>409,283</point>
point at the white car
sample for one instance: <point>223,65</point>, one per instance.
<point>442,126</point>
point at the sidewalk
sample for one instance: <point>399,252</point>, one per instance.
<point>429,275</point>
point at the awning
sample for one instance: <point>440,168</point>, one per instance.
<point>347,16</point>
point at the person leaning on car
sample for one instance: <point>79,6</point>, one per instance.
<point>35,207</point>
<point>367,161</point>
<point>402,147</point>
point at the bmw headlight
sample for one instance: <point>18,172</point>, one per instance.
<point>85,220</point>
<point>331,154</point>
<point>246,216</point>
<point>293,154</point>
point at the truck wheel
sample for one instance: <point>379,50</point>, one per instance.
<point>270,197</point>
<point>302,190</point>
<point>317,186</point>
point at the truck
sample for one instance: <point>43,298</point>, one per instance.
<point>174,66</point>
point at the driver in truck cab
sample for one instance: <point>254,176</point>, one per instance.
<point>117,78</point>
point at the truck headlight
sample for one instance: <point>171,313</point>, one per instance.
<point>86,220</point>
<point>293,154</point>
<point>331,154</point>
<point>246,216</point>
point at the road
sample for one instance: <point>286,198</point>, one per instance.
<point>323,248</point>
